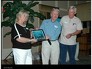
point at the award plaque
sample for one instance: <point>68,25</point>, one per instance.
<point>38,34</point>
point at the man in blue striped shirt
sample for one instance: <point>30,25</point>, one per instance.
<point>52,29</point>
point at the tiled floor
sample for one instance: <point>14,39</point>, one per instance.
<point>84,58</point>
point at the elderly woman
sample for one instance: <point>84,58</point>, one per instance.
<point>20,37</point>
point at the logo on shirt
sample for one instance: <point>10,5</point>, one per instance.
<point>55,26</point>
<point>65,22</point>
<point>27,29</point>
<point>74,23</point>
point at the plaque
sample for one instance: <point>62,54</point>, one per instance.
<point>39,35</point>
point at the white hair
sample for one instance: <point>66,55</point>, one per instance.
<point>73,8</point>
<point>55,9</point>
<point>21,12</point>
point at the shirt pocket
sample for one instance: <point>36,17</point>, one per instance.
<point>74,25</point>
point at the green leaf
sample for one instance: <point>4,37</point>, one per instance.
<point>7,5</point>
<point>31,18</point>
<point>28,5</point>
<point>8,33</point>
<point>33,4</point>
<point>5,23</point>
<point>18,2</point>
<point>39,15</point>
<point>30,25</point>
<point>7,8</point>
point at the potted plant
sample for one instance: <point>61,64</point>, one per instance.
<point>10,9</point>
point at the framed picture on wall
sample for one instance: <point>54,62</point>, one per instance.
<point>38,34</point>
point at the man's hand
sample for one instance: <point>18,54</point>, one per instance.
<point>73,34</point>
<point>47,37</point>
<point>68,36</point>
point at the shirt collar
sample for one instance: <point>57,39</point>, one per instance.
<point>54,21</point>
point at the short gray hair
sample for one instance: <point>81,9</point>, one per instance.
<point>74,8</point>
<point>21,12</point>
<point>55,9</point>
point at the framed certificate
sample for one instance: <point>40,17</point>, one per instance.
<point>38,34</point>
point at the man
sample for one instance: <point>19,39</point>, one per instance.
<point>52,29</point>
<point>71,26</point>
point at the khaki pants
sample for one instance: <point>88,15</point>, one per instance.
<point>50,52</point>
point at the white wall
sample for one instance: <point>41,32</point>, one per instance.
<point>50,3</point>
<point>84,11</point>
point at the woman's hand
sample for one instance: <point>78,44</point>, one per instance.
<point>36,28</point>
<point>33,40</point>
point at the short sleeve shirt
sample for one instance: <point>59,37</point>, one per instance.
<point>51,29</point>
<point>69,26</point>
<point>19,31</point>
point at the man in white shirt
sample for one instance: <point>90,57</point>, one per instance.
<point>71,26</point>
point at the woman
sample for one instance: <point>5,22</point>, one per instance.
<point>20,37</point>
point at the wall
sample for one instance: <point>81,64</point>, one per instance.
<point>84,11</point>
<point>50,3</point>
